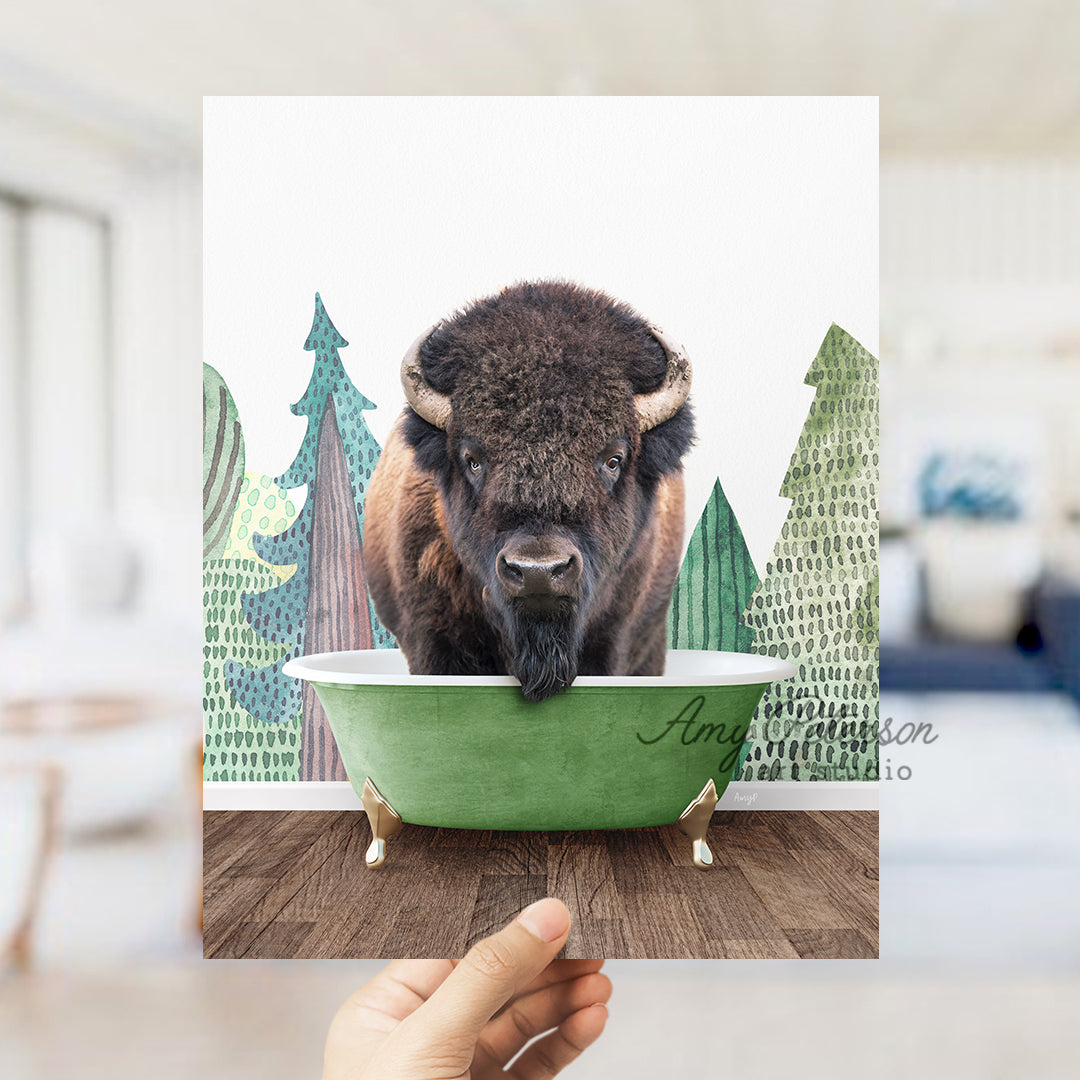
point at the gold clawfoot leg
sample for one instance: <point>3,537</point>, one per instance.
<point>694,822</point>
<point>384,822</point>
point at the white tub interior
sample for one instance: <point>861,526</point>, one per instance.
<point>685,667</point>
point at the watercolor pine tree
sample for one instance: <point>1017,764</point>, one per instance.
<point>237,745</point>
<point>817,603</point>
<point>223,462</point>
<point>324,605</point>
<point>715,584</point>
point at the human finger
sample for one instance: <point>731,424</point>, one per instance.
<point>403,986</point>
<point>548,1056</point>
<point>492,972</point>
<point>557,971</point>
<point>540,1011</point>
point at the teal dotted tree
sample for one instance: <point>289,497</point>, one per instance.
<point>330,380</point>
<point>277,615</point>
<point>817,604</point>
<point>715,583</point>
<point>317,608</point>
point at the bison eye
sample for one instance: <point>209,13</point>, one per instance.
<point>609,462</point>
<point>472,462</point>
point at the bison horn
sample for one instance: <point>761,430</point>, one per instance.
<point>425,400</point>
<point>663,403</point>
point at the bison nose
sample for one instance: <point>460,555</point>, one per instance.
<point>539,571</point>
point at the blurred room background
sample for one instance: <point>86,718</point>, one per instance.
<point>100,602</point>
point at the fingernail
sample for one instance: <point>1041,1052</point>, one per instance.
<point>547,919</point>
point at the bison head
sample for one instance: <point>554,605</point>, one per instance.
<point>548,414</point>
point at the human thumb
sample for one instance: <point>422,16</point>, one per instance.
<point>492,972</point>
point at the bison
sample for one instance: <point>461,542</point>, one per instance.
<point>526,515</point>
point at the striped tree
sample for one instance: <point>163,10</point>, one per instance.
<point>715,583</point>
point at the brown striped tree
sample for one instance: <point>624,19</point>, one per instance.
<point>335,620</point>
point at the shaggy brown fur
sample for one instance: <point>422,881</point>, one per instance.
<point>542,378</point>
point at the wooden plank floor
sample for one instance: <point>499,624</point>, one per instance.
<point>293,884</point>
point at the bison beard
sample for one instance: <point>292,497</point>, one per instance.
<point>543,651</point>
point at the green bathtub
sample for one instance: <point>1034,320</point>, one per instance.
<point>469,752</point>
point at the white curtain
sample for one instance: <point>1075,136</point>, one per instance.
<point>12,518</point>
<point>100,343</point>
<point>67,415</point>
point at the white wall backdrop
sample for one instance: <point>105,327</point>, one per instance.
<point>743,226</point>
<point>980,267</point>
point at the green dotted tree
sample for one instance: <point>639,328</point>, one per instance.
<point>239,746</point>
<point>265,509</point>
<point>817,603</point>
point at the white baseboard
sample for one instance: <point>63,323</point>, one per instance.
<point>741,795</point>
<point>811,795</point>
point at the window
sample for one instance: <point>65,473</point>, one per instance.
<point>56,424</point>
